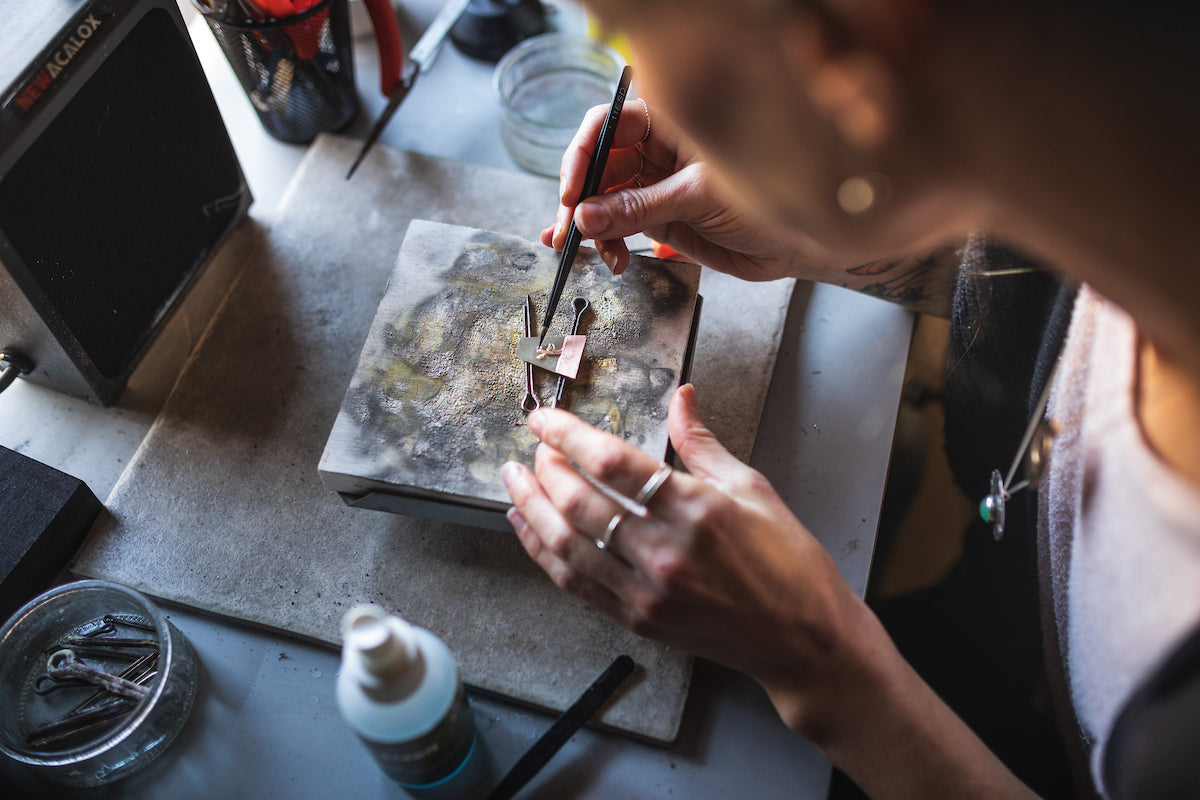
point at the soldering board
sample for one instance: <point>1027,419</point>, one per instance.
<point>435,407</point>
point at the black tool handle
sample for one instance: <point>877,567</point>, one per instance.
<point>563,729</point>
<point>591,184</point>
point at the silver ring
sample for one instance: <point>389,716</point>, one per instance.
<point>653,484</point>
<point>646,106</point>
<point>613,524</point>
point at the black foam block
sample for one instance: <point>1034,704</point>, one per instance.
<point>44,515</point>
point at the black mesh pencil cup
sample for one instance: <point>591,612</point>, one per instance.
<point>297,71</point>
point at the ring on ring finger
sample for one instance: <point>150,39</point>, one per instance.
<point>643,497</point>
<point>614,523</point>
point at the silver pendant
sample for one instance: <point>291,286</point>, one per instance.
<point>991,508</point>
<point>1035,453</point>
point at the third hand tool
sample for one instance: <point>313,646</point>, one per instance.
<point>531,401</point>
<point>420,59</point>
<point>591,184</point>
<point>579,305</point>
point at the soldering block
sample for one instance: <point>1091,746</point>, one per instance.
<point>434,409</point>
<point>45,516</point>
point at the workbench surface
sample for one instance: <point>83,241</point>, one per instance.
<point>266,722</point>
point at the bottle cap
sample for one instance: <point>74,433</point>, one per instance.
<point>384,646</point>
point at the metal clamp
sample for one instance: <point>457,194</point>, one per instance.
<point>11,366</point>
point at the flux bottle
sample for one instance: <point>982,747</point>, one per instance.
<point>399,690</point>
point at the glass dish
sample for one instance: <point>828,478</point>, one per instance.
<point>68,730</point>
<point>544,86</point>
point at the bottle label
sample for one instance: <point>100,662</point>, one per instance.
<point>434,756</point>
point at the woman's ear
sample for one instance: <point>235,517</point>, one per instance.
<point>849,56</point>
<point>855,93</point>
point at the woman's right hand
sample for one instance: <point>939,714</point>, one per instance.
<point>655,183</point>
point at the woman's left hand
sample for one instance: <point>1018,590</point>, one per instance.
<point>720,567</point>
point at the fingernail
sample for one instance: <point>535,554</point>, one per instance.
<point>561,220</point>
<point>609,258</point>
<point>687,392</point>
<point>510,473</point>
<point>594,218</point>
<point>515,519</point>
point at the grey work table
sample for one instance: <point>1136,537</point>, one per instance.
<point>266,723</point>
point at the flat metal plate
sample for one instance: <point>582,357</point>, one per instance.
<point>559,354</point>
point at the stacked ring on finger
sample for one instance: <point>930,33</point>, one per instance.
<point>648,490</point>
<point>653,484</point>
<point>613,524</point>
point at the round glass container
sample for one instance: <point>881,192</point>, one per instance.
<point>69,730</point>
<point>544,86</point>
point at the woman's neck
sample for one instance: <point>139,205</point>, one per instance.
<point>1096,181</point>
<point>1126,228</point>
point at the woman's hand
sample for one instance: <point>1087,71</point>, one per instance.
<point>719,568</point>
<point>722,569</point>
<point>654,183</point>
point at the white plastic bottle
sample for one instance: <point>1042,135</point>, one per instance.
<point>399,690</point>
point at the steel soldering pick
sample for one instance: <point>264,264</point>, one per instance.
<point>591,184</point>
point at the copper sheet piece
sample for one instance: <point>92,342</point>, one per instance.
<point>565,360</point>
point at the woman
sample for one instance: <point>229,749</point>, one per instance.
<point>805,137</point>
